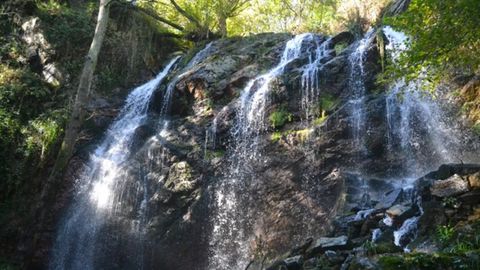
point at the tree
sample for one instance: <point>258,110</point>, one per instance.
<point>81,100</point>
<point>226,9</point>
<point>445,38</point>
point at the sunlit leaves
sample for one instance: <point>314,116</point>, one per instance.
<point>445,36</point>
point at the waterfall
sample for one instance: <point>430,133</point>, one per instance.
<point>412,114</point>
<point>103,194</point>
<point>310,76</point>
<point>231,222</point>
<point>209,48</point>
<point>99,192</point>
<point>357,85</point>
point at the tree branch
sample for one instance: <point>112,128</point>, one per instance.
<point>151,14</point>
<point>158,18</point>
<point>186,14</point>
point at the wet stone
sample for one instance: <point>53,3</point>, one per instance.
<point>331,243</point>
<point>451,186</point>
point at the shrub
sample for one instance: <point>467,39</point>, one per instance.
<point>279,118</point>
<point>445,233</point>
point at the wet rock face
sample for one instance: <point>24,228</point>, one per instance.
<point>182,168</point>
<point>306,176</point>
<point>349,247</point>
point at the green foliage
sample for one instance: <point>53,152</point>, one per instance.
<point>476,129</point>
<point>244,17</point>
<point>469,260</point>
<point>279,118</point>
<point>391,263</point>
<point>276,136</point>
<point>69,31</point>
<point>214,154</point>
<point>444,233</point>
<point>446,38</point>
<point>320,120</point>
<point>339,47</point>
<point>5,265</point>
<point>43,132</point>
<point>300,135</point>
<point>370,247</point>
<point>326,103</point>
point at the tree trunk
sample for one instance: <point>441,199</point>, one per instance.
<point>222,25</point>
<point>83,91</point>
<point>52,184</point>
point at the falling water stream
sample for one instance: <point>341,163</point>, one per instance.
<point>414,127</point>
<point>230,236</point>
<point>357,75</point>
<point>99,193</point>
<point>102,186</point>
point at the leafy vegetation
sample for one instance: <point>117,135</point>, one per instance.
<point>244,17</point>
<point>445,233</point>
<point>446,38</point>
<point>467,260</point>
<point>279,118</point>
<point>300,135</point>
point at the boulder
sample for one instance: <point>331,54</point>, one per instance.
<point>278,265</point>
<point>471,197</point>
<point>329,243</point>
<point>362,263</point>
<point>180,178</point>
<point>397,210</point>
<point>447,170</point>
<point>433,216</point>
<point>302,248</point>
<point>334,257</point>
<point>343,37</point>
<point>399,213</point>
<point>390,198</point>
<point>451,186</point>
<point>294,263</point>
<point>474,180</point>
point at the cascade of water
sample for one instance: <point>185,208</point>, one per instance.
<point>98,190</point>
<point>310,77</point>
<point>412,115</point>
<point>229,243</point>
<point>415,128</point>
<point>209,48</point>
<point>357,84</point>
<point>210,137</point>
<point>254,99</point>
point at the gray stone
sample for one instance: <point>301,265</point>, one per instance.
<point>294,263</point>
<point>471,197</point>
<point>329,243</point>
<point>362,263</point>
<point>389,198</point>
<point>451,186</point>
<point>180,178</point>
<point>397,210</point>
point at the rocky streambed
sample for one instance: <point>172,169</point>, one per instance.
<point>406,229</point>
